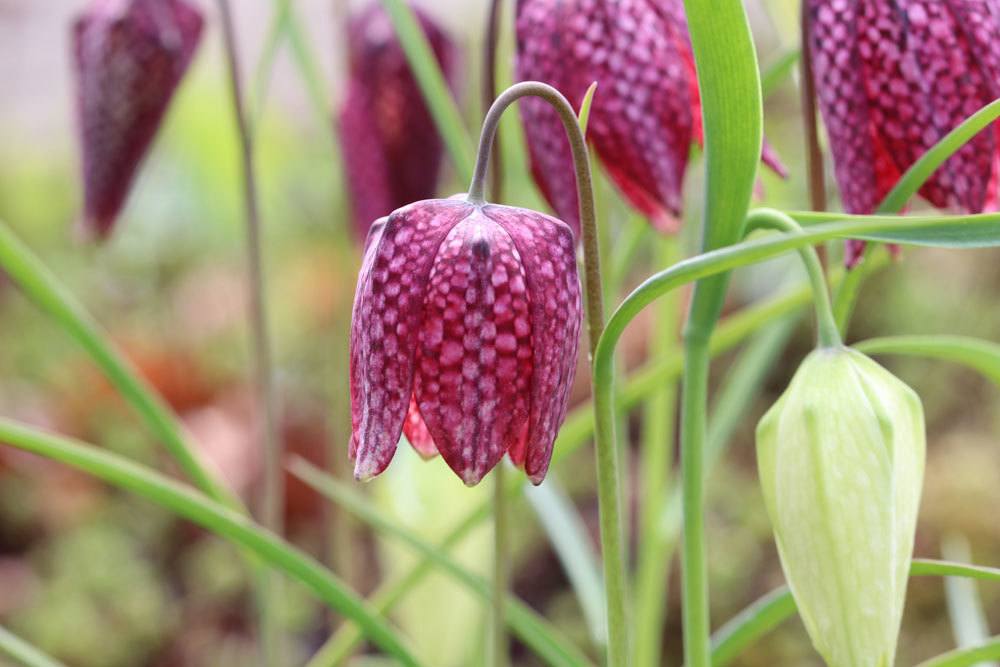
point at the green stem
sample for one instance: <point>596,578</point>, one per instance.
<point>608,479</point>
<point>657,453</point>
<point>273,492</point>
<point>214,517</point>
<point>826,324</point>
<point>24,653</point>
<point>489,84</point>
<point>500,585</point>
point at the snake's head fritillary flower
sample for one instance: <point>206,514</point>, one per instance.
<point>129,56</point>
<point>645,115</point>
<point>841,461</point>
<point>464,337</point>
<point>392,150</point>
<point>893,77</point>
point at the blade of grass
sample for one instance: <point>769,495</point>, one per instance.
<point>434,87</point>
<point>770,611</point>
<point>965,657</point>
<point>777,72</point>
<point>979,355</point>
<point>965,609</point>
<point>42,287</point>
<point>569,537</point>
<point>214,517</point>
<point>656,457</point>
<point>531,628</point>
<point>285,24</point>
<point>24,653</point>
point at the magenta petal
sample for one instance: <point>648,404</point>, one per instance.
<point>129,57</point>
<point>387,317</point>
<point>546,248</point>
<point>417,434</point>
<point>475,362</point>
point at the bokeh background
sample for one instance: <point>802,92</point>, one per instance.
<point>101,579</point>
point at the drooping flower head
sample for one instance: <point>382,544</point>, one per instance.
<point>464,337</point>
<point>646,112</point>
<point>841,462</point>
<point>129,56</point>
<point>392,150</point>
<point>893,77</point>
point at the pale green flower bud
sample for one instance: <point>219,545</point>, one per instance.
<point>841,460</point>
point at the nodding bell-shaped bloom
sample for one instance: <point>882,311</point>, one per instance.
<point>464,337</point>
<point>646,112</point>
<point>841,462</point>
<point>129,56</point>
<point>893,77</point>
<point>392,149</point>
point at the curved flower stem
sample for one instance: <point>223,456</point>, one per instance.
<point>608,477</point>
<point>500,585</point>
<point>826,325</point>
<point>271,509</point>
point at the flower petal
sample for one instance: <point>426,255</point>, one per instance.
<point>475,363</point>
<point>388,310</point>
<point>416,432</point>
<point>129,58</point>
<point>547,253</point>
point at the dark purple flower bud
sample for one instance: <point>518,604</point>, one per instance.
<point>129,56</point>
<point>464,336</point>
<point>895,76</point>
<point>392,149</point>
<point>646,112</point>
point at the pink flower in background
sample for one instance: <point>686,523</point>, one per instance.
<point>646,112</point>
<point>129,56</point>
<point>391,147</point>
<point>895,76</point>
<point>464,336</point>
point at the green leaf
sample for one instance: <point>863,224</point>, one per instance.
<point>531,628</point>
<point>215,517</point>
<point>583,118</point>
<point>971,231</point>
<point>780,70</point>
<point>965,608</point>
<point>966,657</point>
<point>979,355</point>
<point>433,85</point>
<point>571,540</point>
<point>44,289</point>
<point>922,169</point>
<point>771,610</point>
<point>24,653</point>
<point>732,114</point>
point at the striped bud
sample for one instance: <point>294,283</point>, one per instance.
<point>841,462</point>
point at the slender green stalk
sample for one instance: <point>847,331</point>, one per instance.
<point>500,568</point>
<point>489,84</point>
<point>222,521</point>
<point>44,289</point>
<point>608,481</point>
<point>657,450</point>
<point>814,153</point>
<point>732,117</point>
<point>273,492</point>
<point>24,653</point>
<point>826,325</point>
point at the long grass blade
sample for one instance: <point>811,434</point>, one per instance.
<point>215,517</point>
